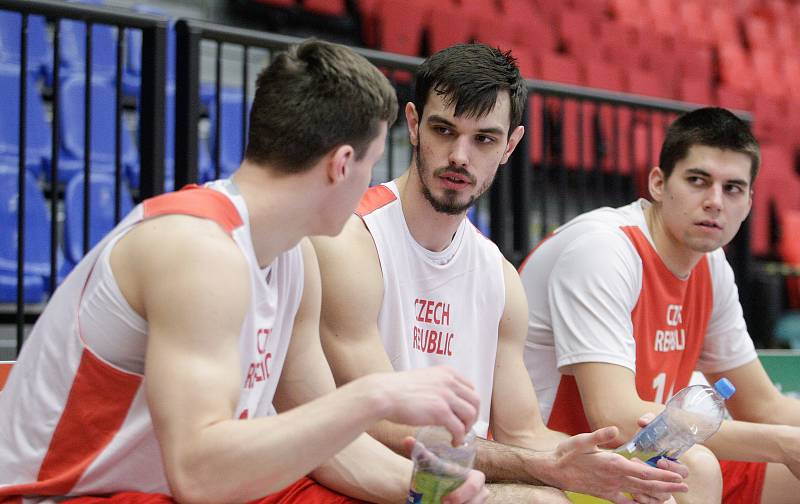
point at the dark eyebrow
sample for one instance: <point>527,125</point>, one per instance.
<point>701,172</point>
<point>487,131</point>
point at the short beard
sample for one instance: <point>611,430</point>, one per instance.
<point>448,205</point>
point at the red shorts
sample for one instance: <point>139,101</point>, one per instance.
<point>742,482</point>
<point>304,490</point>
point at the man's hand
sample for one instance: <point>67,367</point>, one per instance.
<point>580,466</point>
<point>431,396</point>
<point>472,491</point>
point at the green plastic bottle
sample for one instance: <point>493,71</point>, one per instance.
<point>439,467</point>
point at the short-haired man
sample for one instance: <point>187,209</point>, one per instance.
<point>625,303</point>
<point>410,283</point>
<point>154,366</point>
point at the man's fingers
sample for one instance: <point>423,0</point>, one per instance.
<point>408,445</point>
<point>676,467</point>
<point>472,488</point>
<point>646,419</point>
<point>465,411</point>
<point>604,435</point>
<point>621,498</point>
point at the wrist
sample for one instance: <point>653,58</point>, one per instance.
<point>544,467</point>
<point>371,398</point>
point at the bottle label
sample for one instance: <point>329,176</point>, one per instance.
<point>414,497</point>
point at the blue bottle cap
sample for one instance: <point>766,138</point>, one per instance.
<point>724,387</point>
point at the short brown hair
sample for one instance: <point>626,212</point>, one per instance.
<point>470,77</point>
<point>712,127</point>
<point>312,98</point>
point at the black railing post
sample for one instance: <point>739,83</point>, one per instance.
<point>187,102</point>
<point>152,114</point>
<point>23,115</point>
<point>520,167</point>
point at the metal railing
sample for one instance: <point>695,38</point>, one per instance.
<point>579,151</point>
<point>151,118</point>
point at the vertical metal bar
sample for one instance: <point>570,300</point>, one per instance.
<point>544,179</point>
<point>563,187</point>
<point>245,79</point>
<point>118,126</point>
<point>617,156</point>
<point>218,115</point>
<point>55,145</point>
<point>642,186</point>
<point>583,188</point>
<point>151,110</point>
<point>23,122</point>
<point>601,152</point>
<point>187,101</point>
<point>390,144</point>
<point>521,189</point>
<point>87,135</point>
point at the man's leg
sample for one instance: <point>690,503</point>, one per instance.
<point>512,493</point>
<point>779,486</point>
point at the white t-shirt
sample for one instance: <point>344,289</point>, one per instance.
<point>587,304</point>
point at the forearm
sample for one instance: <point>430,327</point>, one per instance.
<point>367,470</point>
<point>752,442</point>
<point>506,463</point>
<point>236,460</point>
<point>391,434</point>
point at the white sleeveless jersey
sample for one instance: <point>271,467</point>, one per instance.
<point>74,418</point>
<point>438,308</point>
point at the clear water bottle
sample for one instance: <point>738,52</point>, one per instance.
<point>439,467</point>
<point>691,416</point>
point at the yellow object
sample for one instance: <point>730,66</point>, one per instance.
<point>577,498</point>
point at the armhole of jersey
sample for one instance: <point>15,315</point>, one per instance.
<point>375,198</point>
<point>198,202</point>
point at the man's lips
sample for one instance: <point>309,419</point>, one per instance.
<point>456,178</point>
<point>710,224</point>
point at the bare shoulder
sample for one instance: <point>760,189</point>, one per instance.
<point>351,252</point>
<point>178,253</point>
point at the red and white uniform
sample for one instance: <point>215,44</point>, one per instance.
<point>599,292</point>
<point>438,307</point>
<point>74,418</point>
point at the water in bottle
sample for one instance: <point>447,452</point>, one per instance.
<point>691,416</point>
<point>439,467</point>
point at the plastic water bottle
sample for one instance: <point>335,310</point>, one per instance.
<point>439,467</point>
<point>691,416</point>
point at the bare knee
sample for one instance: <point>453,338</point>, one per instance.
<point>705,477</point>
<point>502,493</point>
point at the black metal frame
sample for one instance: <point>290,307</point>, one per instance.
<point>152,118</point>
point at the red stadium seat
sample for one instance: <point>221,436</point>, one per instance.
<point>565,115</point>
<point>696,60</point>
<point>648,83</point>
<point>778,187</point>
<point>759,33</point>
<point>448,24</point>
<point>767,72</point>
<point>735,68</point>
<point>326,7</point>
<point>695,91</point>
<point>400,25</point>
<point>731,98</point>
<point>789,250</point>
<point>576,31</point>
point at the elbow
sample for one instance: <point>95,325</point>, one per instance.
<point>190,488</point>
<point>599,417</point>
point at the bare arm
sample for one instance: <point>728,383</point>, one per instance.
<point>352,297</point>
<point>365,469</point>
<point>768,422</point>
<point>194,316</point>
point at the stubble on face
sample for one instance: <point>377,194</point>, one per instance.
<point>448,203</point>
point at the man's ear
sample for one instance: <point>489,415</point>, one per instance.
<point>513,140</point>
<point>412,122</point>
<point>655,182</point>
<point>338,166</point>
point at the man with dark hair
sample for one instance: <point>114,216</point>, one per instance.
<point>155,365</point>
<point>625,303</point>
<point>410,283</point>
